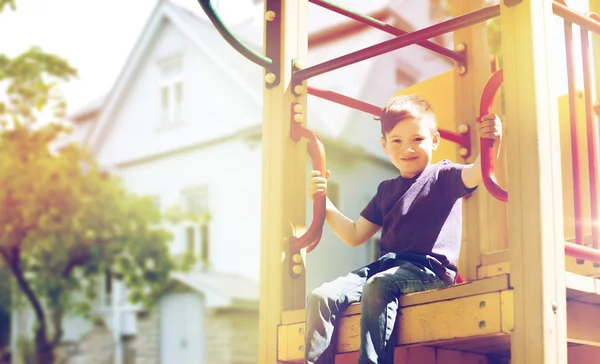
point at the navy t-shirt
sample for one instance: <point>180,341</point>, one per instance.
<point>421,215</point>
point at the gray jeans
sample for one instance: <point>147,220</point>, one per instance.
<point>378,286</point>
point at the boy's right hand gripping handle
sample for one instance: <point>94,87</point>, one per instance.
<point>487,145</point>
<point>310,239</point>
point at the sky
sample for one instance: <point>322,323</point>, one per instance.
<point>94,36</point>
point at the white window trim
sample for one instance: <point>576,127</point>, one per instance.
<point>174,114</point>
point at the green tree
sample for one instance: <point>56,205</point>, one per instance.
<point>63,221</point>
<point>5,3</point>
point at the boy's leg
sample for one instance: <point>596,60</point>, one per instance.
<point>380,306</point>
<point>323,307</point>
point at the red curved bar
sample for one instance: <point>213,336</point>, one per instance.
<point>310,239</point>
<point>591,131</point>
<point>487,145</point>
<point>582,252</point>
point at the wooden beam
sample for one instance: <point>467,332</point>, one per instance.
<point>484,271</point>
<point>424,355</point>
<point>283,176</point>
<point>535,223</point>
<point>471,323</point>
<point>583,323</point>
<point>494,257</point>
<point>595,7</point>
<point>467,91</point>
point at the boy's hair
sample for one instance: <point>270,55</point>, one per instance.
<point>400,108</point>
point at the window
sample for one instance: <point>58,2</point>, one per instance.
<point>196,200</point>
<point>171,90</point>
<point>198,230</point>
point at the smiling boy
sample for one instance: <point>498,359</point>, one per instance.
<point>420,214</point>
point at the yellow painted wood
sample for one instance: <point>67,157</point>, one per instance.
<point>467,89</point>
<point>583,323</point>
<point>458,318</point>
<point>578,285</point>
<point>423,355</point>
<point>442,322</point>
<point>293,316</point>
<point>571,265</point>
<point>492,284</point>
<point>291,342</point>
<point>535,209</point>
<point>567,165</point>
<point>493,257</point>
<point>582,289</point>
<point>507,304</point>
<point>595,7</point>
<point>493,270</point>
<point>283,186</point>
<point>586,269</point>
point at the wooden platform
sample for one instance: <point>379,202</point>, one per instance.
<point>474,318</point>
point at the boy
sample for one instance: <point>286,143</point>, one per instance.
<point>421,220</point>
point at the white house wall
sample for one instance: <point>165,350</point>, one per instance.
<point>212,104</point>
<point>232,172</point>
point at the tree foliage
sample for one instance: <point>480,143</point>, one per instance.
<point>64,222</point>
<point>7,3</point>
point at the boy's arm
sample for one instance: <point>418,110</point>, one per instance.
<point>350,232</point>
<point>490,127</point>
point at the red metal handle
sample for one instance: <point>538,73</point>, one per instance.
<point>487,145</point>
<point>310,239</point>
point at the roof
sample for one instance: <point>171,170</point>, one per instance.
<point>220,289</point>
<point>327,119</point>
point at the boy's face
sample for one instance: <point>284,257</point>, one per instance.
<point>410,145</point>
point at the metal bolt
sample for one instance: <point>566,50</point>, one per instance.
<point>301,330</point>
<point>481,324</point>
<point>297,258</point>
<point>482,304</point>
<point>297,269</point>
<point>270,15</point>
<point>554,306</point>
<point>463,128</point>
<point>298,118</point>
<point>460,47</point>
<point>461,70</point>
<point>463,152</point>
<point>298,89</point>
<point>301,348</point>
<point>298,108</point>
<point>270,78</point>
<point>509,3</point>
<point>298,64</point>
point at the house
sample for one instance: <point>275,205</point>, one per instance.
<point>183,124</point>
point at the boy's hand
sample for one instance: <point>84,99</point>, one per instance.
<point>316,184</point>
<point>491,127</point>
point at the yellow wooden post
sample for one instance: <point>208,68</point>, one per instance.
<point>534,204</point>
<point>283,186</point>
<point>595,7</point>
<point>467,91</point>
